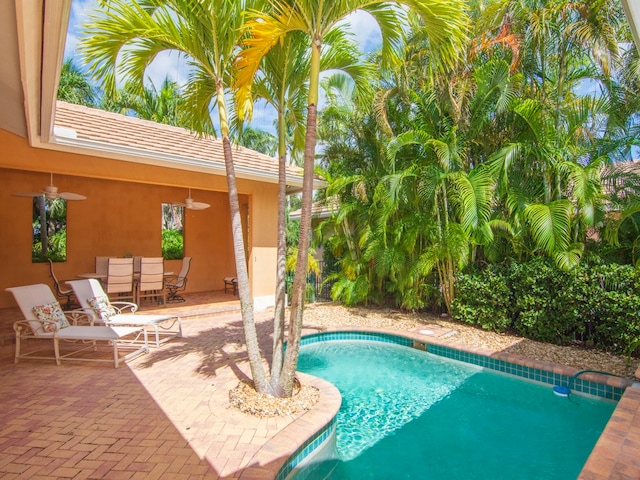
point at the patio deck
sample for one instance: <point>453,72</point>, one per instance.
<point>161,415</point>
<point>165,415</point>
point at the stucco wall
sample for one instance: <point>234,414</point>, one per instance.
<point>122,215</point>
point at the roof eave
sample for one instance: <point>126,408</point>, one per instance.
<point>42,28</point>
<point>632,11</point>
<point>131,154</point>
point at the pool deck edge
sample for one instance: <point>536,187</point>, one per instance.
<point>270,459</point>
<point>616,454</point>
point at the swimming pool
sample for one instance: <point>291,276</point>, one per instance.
<point>409,414</point>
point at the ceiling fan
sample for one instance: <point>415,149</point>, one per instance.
<point>190,204</point>
<point>51,193</point>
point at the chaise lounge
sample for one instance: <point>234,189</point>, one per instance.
<point>95,302</point>
<point>45,320</point>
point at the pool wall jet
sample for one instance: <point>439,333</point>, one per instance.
<point>594,383</point>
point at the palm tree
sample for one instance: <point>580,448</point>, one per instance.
<point>554,157</point>
<point>74,87</point>
<point>208,33</point>
<point>283,85</point>
<point>316,19</point>
<point>159,105</point>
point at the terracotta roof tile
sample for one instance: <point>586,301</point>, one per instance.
<point>155,139</point>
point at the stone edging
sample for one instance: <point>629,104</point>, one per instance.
<point>268,461</point>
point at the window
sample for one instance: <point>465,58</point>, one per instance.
<point>49,230</point>
<point>172,231</point>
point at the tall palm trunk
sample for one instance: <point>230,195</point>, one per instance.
<point>244,291</point>
<point>278,320</point>
<point>44,227</point>
<point>300,278</point>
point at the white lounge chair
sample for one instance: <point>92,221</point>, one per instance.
<point>44,320</point>
<point>95,302</point>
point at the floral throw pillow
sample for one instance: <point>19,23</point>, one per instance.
<point>103,308</point>
<point>51,312</point>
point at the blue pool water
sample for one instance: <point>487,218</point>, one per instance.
<point>407,414</point>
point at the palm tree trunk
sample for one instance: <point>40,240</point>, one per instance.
<point>244,291</point>
<point>44,227</point>
<point>278,320</point>
<point>300,278</point>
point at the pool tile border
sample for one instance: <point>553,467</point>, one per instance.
<point>594,384</point>
<point>306,449</point>
<point>275,457</point>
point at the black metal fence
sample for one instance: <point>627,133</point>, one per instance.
<point>317,287</point>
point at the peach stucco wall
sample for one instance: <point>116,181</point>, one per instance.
<point>122,215</point>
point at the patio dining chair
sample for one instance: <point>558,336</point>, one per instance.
<point>177,283</point>
<point>151,283</point>
<point>95,302</point>
<point>102,264</point>
<point>62,292</point>
<point>120,279</point>
<point>44,320</point>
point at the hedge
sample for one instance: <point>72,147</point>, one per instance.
<point>595,304</point>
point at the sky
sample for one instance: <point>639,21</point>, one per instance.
<point>364,28</point>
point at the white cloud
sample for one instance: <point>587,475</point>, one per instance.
<point>365,29</point>
<point>168,64</point>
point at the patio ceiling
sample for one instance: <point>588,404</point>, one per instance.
<point>32,35</point>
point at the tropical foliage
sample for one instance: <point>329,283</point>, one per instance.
<point>150,103</point>
<point>511,155</point>
<point>49,229</point>
<point>75,87</point>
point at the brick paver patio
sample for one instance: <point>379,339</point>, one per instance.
<point>161,415</point>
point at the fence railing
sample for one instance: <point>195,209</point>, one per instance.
<point>317,289</point>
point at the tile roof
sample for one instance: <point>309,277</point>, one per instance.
<point>107,131</point>
<point>321,209</point>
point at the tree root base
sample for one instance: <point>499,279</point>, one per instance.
<point>245,398</point>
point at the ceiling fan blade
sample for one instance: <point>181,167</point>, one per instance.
<point>71,196</point>
<point>189,204</point>
<point>28,194</point>
<point>199,206</point>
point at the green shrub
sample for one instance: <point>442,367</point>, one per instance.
<point>618,322</point>
<point>614,307</point>
<point>598,304</point>
<point>172,244</point>
<point>550,304</point>
<point>483,298</point>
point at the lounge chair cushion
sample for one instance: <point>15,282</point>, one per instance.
<point>51,312</point>
<point>102,307</point>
